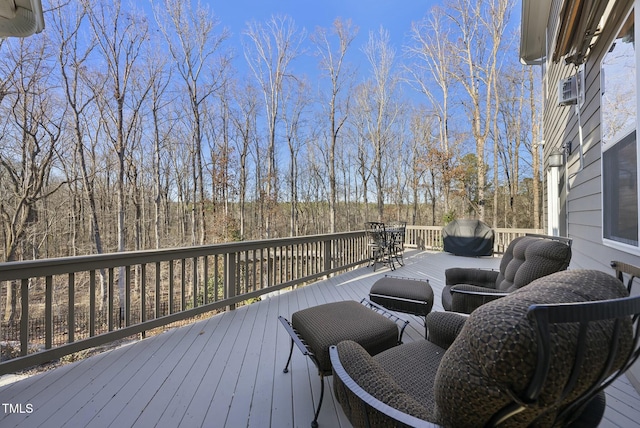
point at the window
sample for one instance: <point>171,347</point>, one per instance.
<point>619,144</point>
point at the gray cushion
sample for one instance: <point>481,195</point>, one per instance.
<point>413,367</point>
<point>385,291</point>
<point>531,258</point>
<point>325,325</point>
<point>369,374</point>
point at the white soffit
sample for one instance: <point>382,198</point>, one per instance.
<point>535,16</point>
<point>20,18</point>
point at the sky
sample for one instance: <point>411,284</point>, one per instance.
<point>394,15</point>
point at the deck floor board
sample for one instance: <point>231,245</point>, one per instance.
<point>227,370</point>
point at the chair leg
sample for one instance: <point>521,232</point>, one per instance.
<point>286,367</point>
<point>425,327</point>
<point>390,258</point>
<point>376,256</point>
<point>314,423</point>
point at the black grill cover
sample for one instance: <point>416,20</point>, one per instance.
<point>469,238</point>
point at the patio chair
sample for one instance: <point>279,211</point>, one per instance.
<point>631,271</point>
<point>381,249</point>
<point>527,258</point>
<point>396,231</point>
<point>541,356</point>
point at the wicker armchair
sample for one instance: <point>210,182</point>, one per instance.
<point>527,258</point>
<point>541,356</point>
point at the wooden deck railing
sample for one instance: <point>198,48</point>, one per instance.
<point>108,297</point>
<point>430,237</point>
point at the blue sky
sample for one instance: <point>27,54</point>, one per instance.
<point>394,15</point>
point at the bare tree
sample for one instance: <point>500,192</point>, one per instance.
<point>119,38</point>
<point>218,128</point>
<point>359,138</point>
<point>383,104</point>
<point>27,147</point>
<point>295,102</point>
<point>480,26</point>
<point>511,100</point>
<point>332,62</point>
<point>197,54</point>
<point>432,62</point>
<point>159,78</point>
<point>73,56</point>
<point>422,136</point>
<point>243,117</point>
<point>269,51</point>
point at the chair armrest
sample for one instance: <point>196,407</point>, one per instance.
<point>444,327</point>
<point>295,336</point>
<point>465,298</point>
<point>480,277</point>
<point>360,374</point>
<point>402,323</point>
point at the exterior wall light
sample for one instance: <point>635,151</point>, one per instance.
<point>556,159</point>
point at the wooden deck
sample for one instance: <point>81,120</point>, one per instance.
<point>227,370</point>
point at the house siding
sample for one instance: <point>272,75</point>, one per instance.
<point>581,217</point>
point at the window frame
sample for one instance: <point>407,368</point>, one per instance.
<point>621,137</point>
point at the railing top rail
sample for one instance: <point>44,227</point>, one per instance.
<point>56,266</point>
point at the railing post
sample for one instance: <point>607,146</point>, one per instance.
<point>327,256</point>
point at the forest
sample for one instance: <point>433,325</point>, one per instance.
<point>126,127</point>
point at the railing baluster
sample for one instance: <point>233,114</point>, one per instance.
<point>183,285</point>
<point>270,265</point>
<point>261,268</point>
<point>92,303</point>
<point>24,316</point>
<point>254,261</point>
<point>298,262</point>
<point>110,302</point>
<point>282,261</point>
<point>237,278</point>
<point>158,314</point>
<point>127,296</point>
<point>194,287</point>
<point>71,322</point>
<point>230,278</point>
<point>48,312</point>
<point>216,282</point>
<point>289,254</point>
<point>171,284</point>
<point>143,293</point>
<point>246,266</point>
<point>205,280</point>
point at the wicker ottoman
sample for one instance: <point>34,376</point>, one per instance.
<point>408,295</point>
<point>314,329</point>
